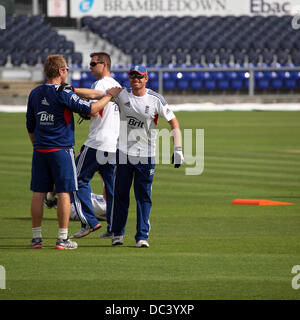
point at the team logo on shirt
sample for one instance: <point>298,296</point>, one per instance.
<point>134,122</point>
<point>127,104</point>
<point>45,102</point>
<point>46,118</point>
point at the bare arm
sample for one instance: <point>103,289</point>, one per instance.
<point>89,94</point>
<point>175,127</point>
<point>100,104</point>
<point>31,137</point>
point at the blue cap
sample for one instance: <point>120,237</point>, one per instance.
<point>138,69</point>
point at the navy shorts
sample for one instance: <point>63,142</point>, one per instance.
<point>53,168</point>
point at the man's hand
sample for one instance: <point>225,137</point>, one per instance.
<point>64,86</point>
<point>177,157</point>
<point>114,91</point>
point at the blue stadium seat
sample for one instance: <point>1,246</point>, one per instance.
<point>168,81</point>
<point>195,58</point>
<point>31,58</point>
<point>181,57</point>
<point>38,46</point>
<point>122,78</point>
<point>76,59</point>
<point>75,83</point>
<point>239,57</point>
<point>182,81</point>
<point>3,58</point>
<point>153,80</point>
<point>222,81</point>
<point>261,80</point>
<point>210,58</point>
<point>268,57</point>
<point>253,57</point>
<point>151,58</point>
<point>258,45</point>
<point>195,80</point>
<point>282,57</point>
<point>137,58</point>
<point>166,58</point>
<point>16,58</point>
<point>209,81</point>
<point>86,80</point>
<point>8,46</point>
<point>224,57</point>
<point>272,44</point>
<point>275,80</point>
<point>286,44</point>
<point>68,47</point>
<point>295,57</point>
<point>288,79</point>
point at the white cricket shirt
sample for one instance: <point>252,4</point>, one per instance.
<point>139,116</point>
<point>104,129</point>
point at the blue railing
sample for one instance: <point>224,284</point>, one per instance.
<point>249,79</point>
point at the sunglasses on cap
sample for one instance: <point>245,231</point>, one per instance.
<point>93,64</point>
<point>136,75</point>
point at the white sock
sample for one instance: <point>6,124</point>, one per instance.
<point>62,233</point>
<point>37,232</point>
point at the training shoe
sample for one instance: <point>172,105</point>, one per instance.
<point>84,231</point>
<point>117,240</point>
<point>106,235</point>
<point>62,244</point>
<point>142,244</point>
<point>36,243</point>
<point>50,203</point>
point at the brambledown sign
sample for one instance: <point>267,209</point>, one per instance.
<point>80,8</point>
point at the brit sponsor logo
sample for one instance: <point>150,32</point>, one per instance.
<point>46,118</point>
<point>134,122</point>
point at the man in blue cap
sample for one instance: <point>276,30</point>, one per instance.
<point>140,108</point>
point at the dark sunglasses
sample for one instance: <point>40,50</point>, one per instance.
<point>93,64</point>
<point>136,75</point>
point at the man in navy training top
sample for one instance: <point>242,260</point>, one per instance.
<point>50,125</point>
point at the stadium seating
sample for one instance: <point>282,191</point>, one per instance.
<point>216,39</point>
<point>203,41</point>
<point>29,40</point>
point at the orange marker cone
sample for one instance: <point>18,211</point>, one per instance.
<point>260,202</point>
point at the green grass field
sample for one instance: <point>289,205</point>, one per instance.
<point>202,246</point>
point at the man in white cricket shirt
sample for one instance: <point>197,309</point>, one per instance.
<point>139,111</point>
<point>98,152</point>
